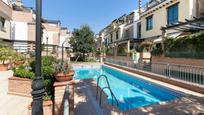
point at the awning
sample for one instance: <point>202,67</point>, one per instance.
<point>171,35</point>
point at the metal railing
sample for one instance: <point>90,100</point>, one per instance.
<point>193,75</point>
<point>107,87</point>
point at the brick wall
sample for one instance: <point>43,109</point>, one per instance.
<point>47,108</point>
<point>195,62</point>
<point>19,86</point>
<point>61,95</point>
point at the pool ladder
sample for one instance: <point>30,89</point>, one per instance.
<point>107,87</point>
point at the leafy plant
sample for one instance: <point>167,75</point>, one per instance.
<point>5,54</point>
<point>157,50</point>
<point>188,46</point>
<point>47,73</point>
<point>145,46</point>
<point>22,72</point>
<point>122,50</point>
<point>62,67</point>
<point>18,57</point>
<point>83,41</point>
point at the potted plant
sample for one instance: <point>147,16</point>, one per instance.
<point>19,59</point>
<point>63,72</point>
<point>5,55</point>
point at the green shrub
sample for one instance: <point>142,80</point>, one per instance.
<point>18,56</point>
<point>22,72</point>
<point>156,51</point>
<point>47,73</point>
<point>190,46</point>
<point>6,53</point>
<point>122,50</point>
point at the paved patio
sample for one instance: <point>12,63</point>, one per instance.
<point>11,104</point>
<point>86,104</point>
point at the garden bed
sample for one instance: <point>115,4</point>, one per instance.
<point>19,86</point>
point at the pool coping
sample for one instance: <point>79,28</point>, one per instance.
<point>164,82</point>
<point>193,100</point>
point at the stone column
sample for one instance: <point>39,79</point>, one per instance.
<point>61,95</point>
<point>128,48</point>
<point>163,39</point>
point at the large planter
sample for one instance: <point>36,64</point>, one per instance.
<point>47,108</point>
<point>19,86</point>
<point>64,77</point>
<point>3,67</point>
<point>19,63</point>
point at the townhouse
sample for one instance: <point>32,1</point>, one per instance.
<point>65,36</point>
<point>5,22</point>
<point>121,36</point>
<point>17,29</point>
<point>161,13</point>
<point>51,36</point>
<point>23,27</point>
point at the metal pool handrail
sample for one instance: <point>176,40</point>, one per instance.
<point>112,95</point>
<point>98,83</point>
<point>107,87</point>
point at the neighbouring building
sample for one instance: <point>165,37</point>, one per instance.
<point>23,27</point>
<point>65,36</point>
<point>5,22</point>
<point>122,35</point>
<point>51,36</point>
<point>161,13</point>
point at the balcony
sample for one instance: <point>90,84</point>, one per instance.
<point>5,10</point>
<point>152,4</point>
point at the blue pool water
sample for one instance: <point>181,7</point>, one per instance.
<point>130,91</point>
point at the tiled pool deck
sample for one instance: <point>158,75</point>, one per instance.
<point>85,102</point>
<point>11,104</point>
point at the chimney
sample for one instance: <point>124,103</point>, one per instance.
<point>19,2</point>
<point>139,6</point>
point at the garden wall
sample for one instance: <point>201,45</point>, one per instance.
<point>184,61</point>
<point>19,86</point>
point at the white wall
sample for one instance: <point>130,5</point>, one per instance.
<point>19,31</point>
<point>62,39</point>
<point>6,1</point>
<point>48,34</point>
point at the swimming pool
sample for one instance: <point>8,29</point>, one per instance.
<point>131,92</point>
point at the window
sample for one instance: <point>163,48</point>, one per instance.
<point>172,14</point>
<point>2,24</point>
<point>117,35</point>
<point>149,23</point>
<point>139,30</point>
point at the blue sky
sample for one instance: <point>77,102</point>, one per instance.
<point>96,13</point>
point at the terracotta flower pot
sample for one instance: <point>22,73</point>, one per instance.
<point>64,77</point>
<point>3,67</point>
<point>19,62</point>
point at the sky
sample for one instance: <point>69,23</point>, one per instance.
<point>95,13</point>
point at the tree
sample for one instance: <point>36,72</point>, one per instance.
<point>82,41</point>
